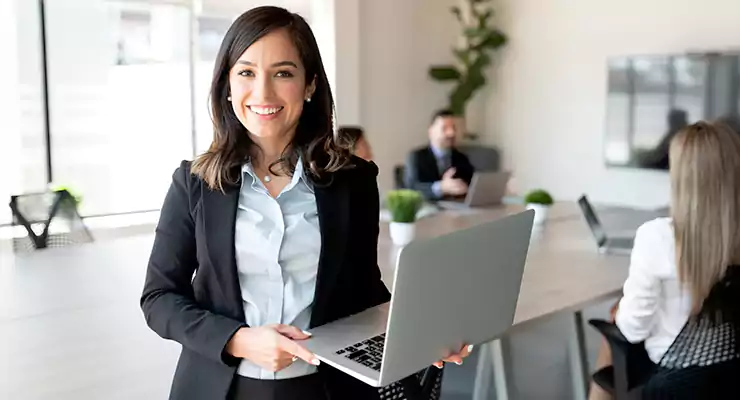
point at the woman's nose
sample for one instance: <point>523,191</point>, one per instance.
<point>263,88</point>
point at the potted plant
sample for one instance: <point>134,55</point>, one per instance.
<point>479,39</point>
<point>403,205</point>
<point>540,201</point>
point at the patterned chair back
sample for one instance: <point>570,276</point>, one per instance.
<point>704,360</point>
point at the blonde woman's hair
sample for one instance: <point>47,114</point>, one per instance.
<point>705,205</point>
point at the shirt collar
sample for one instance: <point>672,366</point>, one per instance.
<point>298,175</point>
<point>439,153</point>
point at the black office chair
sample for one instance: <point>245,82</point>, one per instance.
<point>704,360</point>
<point>398,176</point>
<point>631,367</point>
<point>702,363</point>
<point>50,219</point>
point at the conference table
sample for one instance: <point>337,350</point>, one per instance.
<point>564,274</point>
<point>71,327</point>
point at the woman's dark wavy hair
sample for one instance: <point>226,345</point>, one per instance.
<point>321,150</point>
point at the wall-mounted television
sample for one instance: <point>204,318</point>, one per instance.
<point>651,97</point>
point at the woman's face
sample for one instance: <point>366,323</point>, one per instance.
<point>363,150</point>
<point>268,86</point>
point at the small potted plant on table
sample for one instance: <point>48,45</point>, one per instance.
<point>403,205</point>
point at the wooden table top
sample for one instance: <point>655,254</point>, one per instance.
<point>564,271</point>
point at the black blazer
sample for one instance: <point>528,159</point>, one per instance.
<point>421,170</point>
<point>192,294</point>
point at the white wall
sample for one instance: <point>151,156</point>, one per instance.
<point>347,61</point>
<point>398,40</point>
<point>547,108</point>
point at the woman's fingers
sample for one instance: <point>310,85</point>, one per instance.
<point>457,358</point>
<point>292,332</point>
<point>297,350</point>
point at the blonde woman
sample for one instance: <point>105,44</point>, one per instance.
<point>676,261</point>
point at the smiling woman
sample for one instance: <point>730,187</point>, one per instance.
<point>270,74</point>
<point>270,232</point>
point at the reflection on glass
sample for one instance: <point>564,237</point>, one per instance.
<point>650,98</point>
<point>691,73</point>
<point>119,100</point>
<point>617,150</point>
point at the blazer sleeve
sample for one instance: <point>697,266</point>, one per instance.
<point>642,289</point>
<point>379,293</point>
<point>411,177</point>
<point>168,301</point>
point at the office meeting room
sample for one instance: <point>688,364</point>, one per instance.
<point>369,199</point>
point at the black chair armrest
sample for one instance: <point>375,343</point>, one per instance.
<point>610,331</point>
<point>631,364</point>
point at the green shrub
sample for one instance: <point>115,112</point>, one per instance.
<point>403,204</point>
<point>538,196</point>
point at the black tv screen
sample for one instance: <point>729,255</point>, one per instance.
<point>651,97</point>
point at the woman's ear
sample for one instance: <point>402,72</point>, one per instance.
<point>311,88</point>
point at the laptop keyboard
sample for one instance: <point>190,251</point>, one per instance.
<point>368,352</point>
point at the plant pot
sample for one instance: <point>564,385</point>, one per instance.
<point>540,212</point>
<point>402,233</point>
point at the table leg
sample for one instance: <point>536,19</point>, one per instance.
<point>498,352</point>
<point>578,358</point>
<point>482,373</point>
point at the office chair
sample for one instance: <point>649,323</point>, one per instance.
<point>702,363</point>
<point>50,219</point>
<point>631,367</point>
<point>398,176</point>
<point>704,360</point>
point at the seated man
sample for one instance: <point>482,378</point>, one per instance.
<point>439,170</point>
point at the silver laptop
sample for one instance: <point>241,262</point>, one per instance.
<point>457,289</point>
<point>486,189</point>
<point>606,244</point>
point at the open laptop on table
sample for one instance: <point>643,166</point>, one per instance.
<point>614,244</point>
<point>486,189</point>
<point>457,289</point>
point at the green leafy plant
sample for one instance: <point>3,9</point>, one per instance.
<point>480,40</point>
<point>538,196</point>
<point>404,204</point>
<point>76,197</point>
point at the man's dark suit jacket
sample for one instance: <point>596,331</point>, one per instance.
<point>421,170</point>
<point>192,293</point>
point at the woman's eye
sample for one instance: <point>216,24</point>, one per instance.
<point>246,73</point>
<point>284,74</point>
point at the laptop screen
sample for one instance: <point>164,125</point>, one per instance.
<point>592,220</point>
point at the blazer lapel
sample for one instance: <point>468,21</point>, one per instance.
<point>219,218</point>
<point>332,203</point>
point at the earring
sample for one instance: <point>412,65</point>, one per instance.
<point>308,99</point>
<point>228,98</point>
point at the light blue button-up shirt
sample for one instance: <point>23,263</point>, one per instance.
<point>277,255</point>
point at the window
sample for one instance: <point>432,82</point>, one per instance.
<point>126,91</point>
<point>119,97</point>
<point>22,137</point>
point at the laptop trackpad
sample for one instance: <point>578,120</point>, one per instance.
<point>339,334</point>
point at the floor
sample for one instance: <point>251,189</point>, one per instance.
<point>93,344</point>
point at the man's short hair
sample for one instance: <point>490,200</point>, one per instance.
<point>443,113</point>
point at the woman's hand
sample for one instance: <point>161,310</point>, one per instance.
<point>271,347</point>
<point>456,358</point>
